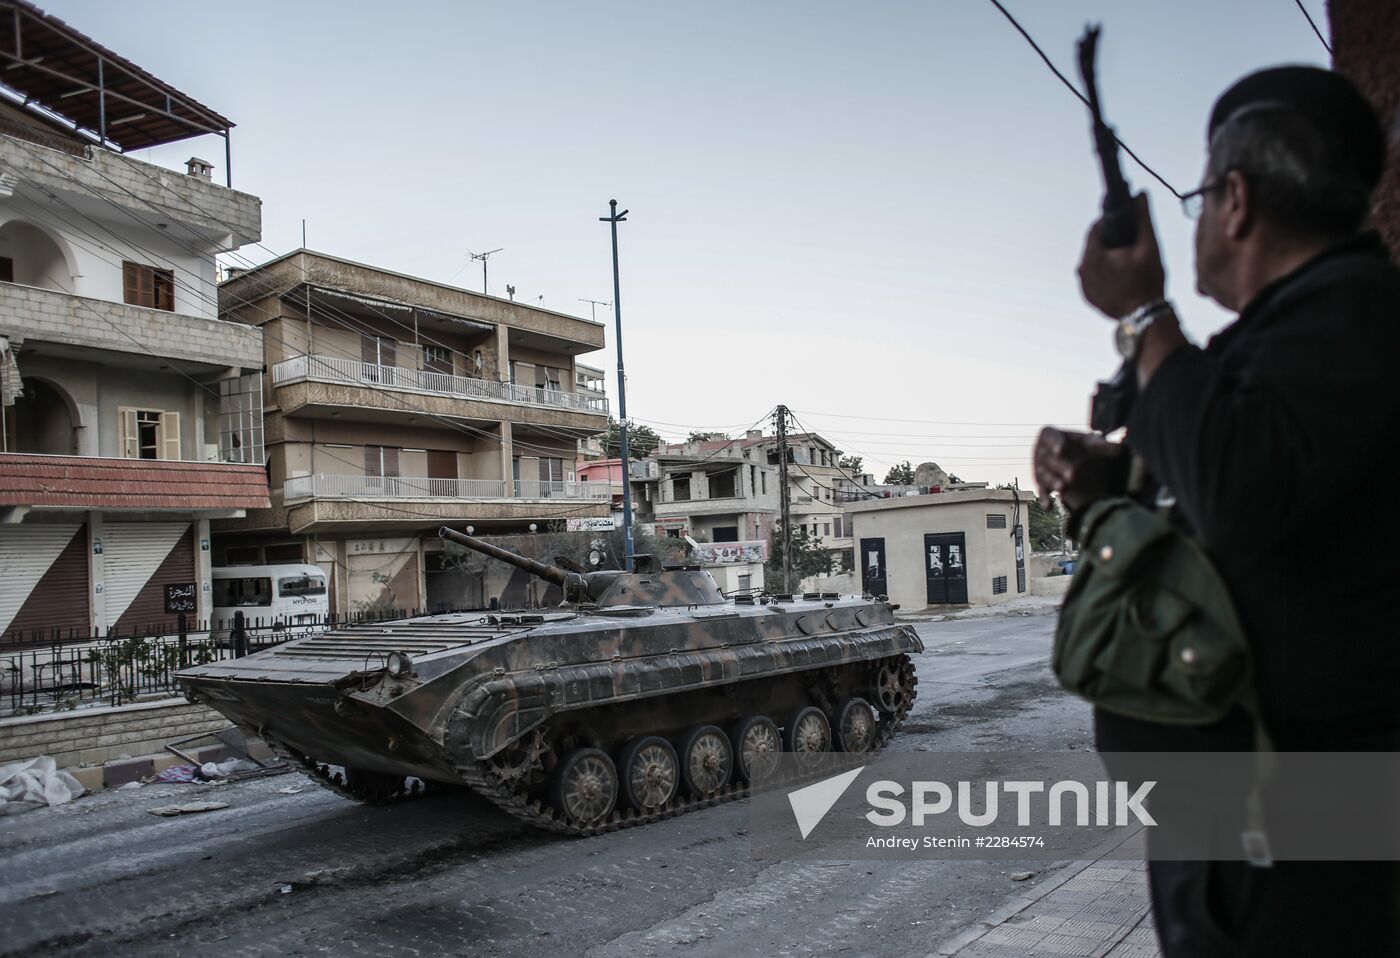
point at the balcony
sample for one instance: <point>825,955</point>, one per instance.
<point>326,503</point>
<point>30,315</point>
<point>448,395</point>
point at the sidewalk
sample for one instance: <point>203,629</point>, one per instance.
<point>1097,909</point>
<point>1024,605</point>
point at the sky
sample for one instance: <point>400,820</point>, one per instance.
<point>869,212</point>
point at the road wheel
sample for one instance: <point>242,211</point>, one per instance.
<point>650,773</point>
<point>889,689</point>
<point>584,788</point>
<point>808,736</point>
<point>757,748</point>
<point>707,759</point>
<point>855,726</point>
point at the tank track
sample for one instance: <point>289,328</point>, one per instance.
<point>510,799</point>
<point>483,778</point>
<point>345,784</point>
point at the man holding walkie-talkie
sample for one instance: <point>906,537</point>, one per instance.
<point>1279,436</point>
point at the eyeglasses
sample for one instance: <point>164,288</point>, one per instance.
<point>1194,203</point>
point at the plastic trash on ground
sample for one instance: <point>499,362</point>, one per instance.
<point>35,783</point>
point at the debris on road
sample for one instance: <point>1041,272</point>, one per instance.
<point>189,809</point>
<point>35,783</point>
<point>1021,876</point>
<point>290,790</point>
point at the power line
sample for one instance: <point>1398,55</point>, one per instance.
<point>1080,96</point>
<point>1321,39</point>
<point>923,422</point>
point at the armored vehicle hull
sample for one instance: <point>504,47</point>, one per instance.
<point>580,721</point>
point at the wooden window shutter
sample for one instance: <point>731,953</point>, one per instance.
<point>170,435</point>
<point>131,284</point>
<point>391,461</point>
<point>130,437</point>
<point>374,464</point>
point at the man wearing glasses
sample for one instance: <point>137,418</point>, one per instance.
<point>1282,429</point>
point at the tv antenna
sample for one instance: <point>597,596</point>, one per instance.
<point>594,304</point>
<point>482,257</point>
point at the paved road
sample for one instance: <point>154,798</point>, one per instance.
<point>309,873</point>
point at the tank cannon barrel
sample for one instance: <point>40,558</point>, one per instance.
<point>550,573</point>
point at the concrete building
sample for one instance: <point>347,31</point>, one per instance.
<point>396,404</point>
<point>131,413</point>
<point>951,548</point>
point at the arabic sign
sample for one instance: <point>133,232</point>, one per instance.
<point>602,524</point>
<point>716,553</point>
<point>179,597</point>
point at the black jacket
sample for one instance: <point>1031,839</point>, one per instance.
<point>1281,441</point>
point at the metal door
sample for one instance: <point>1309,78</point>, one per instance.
<point>872,564</point>
<point>1020,558</point>
<point>945,567</point>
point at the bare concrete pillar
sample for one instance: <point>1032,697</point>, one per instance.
<point>503,354</point>
<point>507,457</point>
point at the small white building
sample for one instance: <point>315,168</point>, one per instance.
<point>940,549</point>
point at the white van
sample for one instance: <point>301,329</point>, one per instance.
<point>290,596</point>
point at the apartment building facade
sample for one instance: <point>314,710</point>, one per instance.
<point>131,414</point>
<point>817,487</point>
<point>395,405</point>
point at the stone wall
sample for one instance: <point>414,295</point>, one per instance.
<point>100,735</point>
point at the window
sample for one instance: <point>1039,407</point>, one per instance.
<point>724,534</point>
<point>282,552</point>
<point>763,482</point>
<point>826,528</point>
<point>722,484</point>
<point>745,582</point>
<point>7,270</point>
<point>148,286</point>
<point>998,585</point>
<point>551,470</point>
<point>381,461</point>
<point>241,555</point>
<point>438,359</point>
<point>302,585</point>
<point>753,475</point>
<point>804,530</point>
<point>242,593</point>
<point>680,488</point>
<point>840,529</point>
<point>149,433</point>
<point>996,521</point>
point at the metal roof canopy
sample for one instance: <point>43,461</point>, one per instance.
<point>50,65</point>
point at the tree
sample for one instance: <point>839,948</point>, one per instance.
<point>700,436</point>
<point>641,440</point>
<point>900,474</point>
<point>851,464</point>
<point>807,559</point>
<point>1045,528</point>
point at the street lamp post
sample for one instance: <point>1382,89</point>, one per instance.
<point>614,218</point>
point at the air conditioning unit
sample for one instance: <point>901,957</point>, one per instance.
<point>571,477</point>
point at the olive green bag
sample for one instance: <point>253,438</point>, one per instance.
<point>1148,629</point>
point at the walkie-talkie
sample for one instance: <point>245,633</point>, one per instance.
<point>1113,398</point>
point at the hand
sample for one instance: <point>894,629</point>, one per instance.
<point>1080,466</point>
<point>1118,281</point>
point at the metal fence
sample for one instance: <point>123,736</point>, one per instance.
<point>57,669</point>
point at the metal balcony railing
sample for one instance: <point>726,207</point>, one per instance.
<point>337,369</point>
<point>540,489</point>
<point>321,486</point>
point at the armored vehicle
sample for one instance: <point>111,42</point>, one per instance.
<point>644,694</point>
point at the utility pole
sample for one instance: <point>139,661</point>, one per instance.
<point>784,498</point>
<point>482,257</point>
<point>594,304</point>
<point>614,217</point>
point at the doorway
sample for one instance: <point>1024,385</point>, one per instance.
<point>872,563</point>
<point>945,568</point>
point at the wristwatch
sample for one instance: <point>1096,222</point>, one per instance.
<point>1128,334</point>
